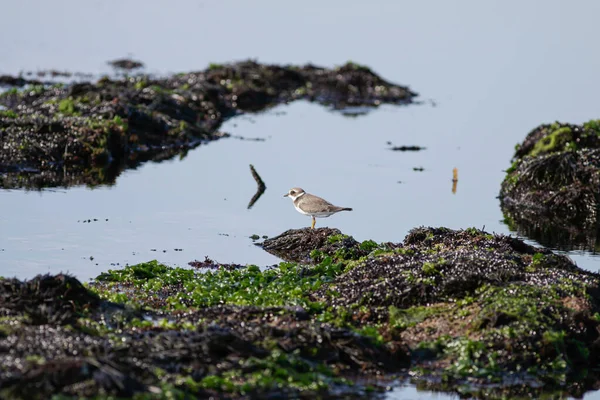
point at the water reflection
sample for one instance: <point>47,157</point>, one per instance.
<point>559,237</point>
<point>259,190</point>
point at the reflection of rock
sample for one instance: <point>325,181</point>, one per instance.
<point>75,134</point>
<point>563,238</point>
<point>553,187</point>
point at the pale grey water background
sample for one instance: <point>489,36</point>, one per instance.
<point>494,69</point>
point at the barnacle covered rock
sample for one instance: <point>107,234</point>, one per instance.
<point>551,193</point>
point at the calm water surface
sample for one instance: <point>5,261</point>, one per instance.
<point>486,72</point>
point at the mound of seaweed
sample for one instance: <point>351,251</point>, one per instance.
<point>465,311</point>
<point>485,294</point>
<point>171,350</point>
<point>552,191</point>
<point>87,133</point>
<point>46,299</point>
<point>308,245</point>
<point>437,265</point>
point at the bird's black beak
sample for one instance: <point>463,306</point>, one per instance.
<point>286,195</point>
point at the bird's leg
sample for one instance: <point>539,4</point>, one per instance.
<point>314,221</point>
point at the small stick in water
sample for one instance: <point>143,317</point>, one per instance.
<point>454,179</point>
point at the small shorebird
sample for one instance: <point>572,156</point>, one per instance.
<point>312,205</point>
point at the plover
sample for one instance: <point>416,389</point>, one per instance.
<point>309,204</point>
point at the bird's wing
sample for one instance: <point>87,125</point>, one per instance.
<point>314,204</point>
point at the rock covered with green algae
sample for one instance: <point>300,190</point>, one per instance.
<point>308,246</point>
<point>478,308</point>
<point>159,345</point>
<point>552,191</point>
<point>87,133</point>
<point>463,311</point>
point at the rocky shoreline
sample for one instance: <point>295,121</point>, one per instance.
<point>88,133</point>
<point>466,312</point>
<point>462,311</point>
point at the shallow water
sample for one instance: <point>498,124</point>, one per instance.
<point>487,73</point>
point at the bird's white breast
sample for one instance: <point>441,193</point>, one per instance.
<point>324,214</point>
<point>300,210</point>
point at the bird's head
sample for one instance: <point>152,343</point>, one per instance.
<point>294,193</point>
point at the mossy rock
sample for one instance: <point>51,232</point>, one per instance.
<point>552,189</point>
<point>312,245</point>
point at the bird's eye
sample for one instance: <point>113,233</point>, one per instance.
<point>292,192</point>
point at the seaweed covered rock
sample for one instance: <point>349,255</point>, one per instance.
<point>477,307</point>
<point>87,133</point>
<point>435,265</point>
<point>552,191</point>
<point>310,245</point>
<point>46,299</point>
<point>463,311</point>
<point>78,362</point>
<point>171,347</point>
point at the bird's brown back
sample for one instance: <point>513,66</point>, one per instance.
<point>314,204</point>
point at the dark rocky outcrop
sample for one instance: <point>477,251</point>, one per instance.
<point>296,245</point>
<point>552,191</point>
<point>87,133</point>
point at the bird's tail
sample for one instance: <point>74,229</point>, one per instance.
<point>345,209</point>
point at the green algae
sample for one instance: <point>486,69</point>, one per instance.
<point>405,318</point>
<point>593,126</point>
<point>472,358</point>
<point>502,316</point>
<point>66,106</point>
<point>10,92</point>
<point>557,140</point>
<point>337,238</point>
<point>517,310</point>
<point>276,372</point>
<point>369,245</point>
<point>214,66</point>
<point>284,285</point>
<point>433,268</point>
<point>8,114</point>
